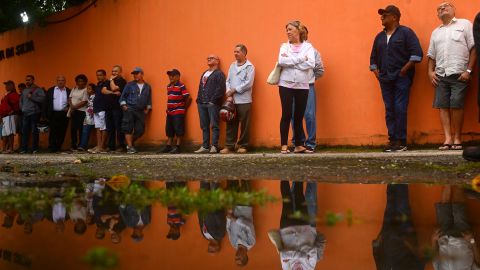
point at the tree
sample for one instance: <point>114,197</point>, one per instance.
<point>37,11</point>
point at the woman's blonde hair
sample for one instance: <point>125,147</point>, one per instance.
<point>302,30</point>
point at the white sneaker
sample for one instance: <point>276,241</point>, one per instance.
<point>213,150</point>
<point>201,150</point>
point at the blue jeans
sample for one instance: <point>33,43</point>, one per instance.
<point>395,97</point>
<point>85,136</point>
<point>209,118</point>
<point>310,120</point>
<point>29,126</point>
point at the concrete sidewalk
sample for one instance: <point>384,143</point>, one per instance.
<point>428,166</point>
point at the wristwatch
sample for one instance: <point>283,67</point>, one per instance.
<point>472,241</point>
<point>469,71</point>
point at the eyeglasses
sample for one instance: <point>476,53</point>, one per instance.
<point>444,6</point>
<point>211,58</point>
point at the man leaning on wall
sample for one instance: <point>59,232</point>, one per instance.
<point>451,58</point>
<point>395,52</point>
<point>473,153</point>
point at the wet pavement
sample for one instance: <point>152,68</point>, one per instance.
<point>363,167</point>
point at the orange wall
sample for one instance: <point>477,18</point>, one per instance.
<point>160,35</point>
<point>347,247</point>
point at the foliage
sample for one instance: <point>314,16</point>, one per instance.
<point>100,258</point>
<point>37,10</point>
<point>33,200</point>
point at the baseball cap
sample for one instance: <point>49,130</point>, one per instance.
<point>390,9</point>
<point>137,70</point>
<point>173,72</point>
<point>9,82</point>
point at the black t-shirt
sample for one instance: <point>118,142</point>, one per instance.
<point>100,102</point>
<point>113,100</point>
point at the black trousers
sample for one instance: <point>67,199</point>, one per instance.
<point>288,97</point>
<point>58,123</point>
<point>289,198</point>
<point>76,127</point>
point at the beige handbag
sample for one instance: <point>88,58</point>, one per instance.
<point>274,76</point>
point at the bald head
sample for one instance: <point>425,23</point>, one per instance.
<point>446,12</point>
<point>213,61</point>
<point>61,81</point>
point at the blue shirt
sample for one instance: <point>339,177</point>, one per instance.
<point>390,57</point>
<point>132,97</point>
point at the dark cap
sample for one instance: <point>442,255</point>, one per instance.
<point>173,72</point>
<point>137,70</point>
<point>391,9</point>
<point>9,82</point>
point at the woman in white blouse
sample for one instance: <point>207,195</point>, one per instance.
<point>297,60</point>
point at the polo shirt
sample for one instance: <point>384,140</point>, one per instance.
<point>177,95</point>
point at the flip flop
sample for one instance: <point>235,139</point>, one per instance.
<point>300,151</point>
<point>457,146</point>
<point>285,151</point>
<point>445,147</point>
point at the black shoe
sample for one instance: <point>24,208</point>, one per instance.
<point>389,148</point>
<point>309,150</point>
<point>166,149</point>
<point>401,148</point>
<point>175,150</point>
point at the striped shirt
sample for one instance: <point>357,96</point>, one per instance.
<point>177,96</point>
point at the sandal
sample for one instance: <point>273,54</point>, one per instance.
<point>285,150</point>
<point>457,146</point>
<point>445,147</point>
<point>302,150</point>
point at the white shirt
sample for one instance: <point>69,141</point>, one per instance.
<point>450,47</point>
<point>140,86</point>
<point>297,65</point>
<point>388,38</point>
<point>301,247</point>
<point>241,230</point>
<point>206,75</point>
<point>59,211</point>
<point>206,233</point>
<point>60,99</point>
<point>454,254</point>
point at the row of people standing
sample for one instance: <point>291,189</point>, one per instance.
<point>115,108</point>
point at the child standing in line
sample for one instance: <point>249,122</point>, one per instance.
<point>178,101</point>
<point>88,123</point>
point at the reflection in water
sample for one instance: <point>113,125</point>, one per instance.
<point>453,240</point>
<point>125,224</point>
<point>212,223</point>
<point>240,228</point>
<point>396,246</point>
<point>298,243</point>
<point>174,217</point>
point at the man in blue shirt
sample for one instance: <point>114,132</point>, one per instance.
<point>395,51</point>
<point>136,102</point>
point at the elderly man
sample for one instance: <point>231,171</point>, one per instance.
<point>57,107</point>
<point>210,94</point>
<point>31,101</point>
<point>451,58</point>
<point>395,52</point>
<point>239,90</point>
